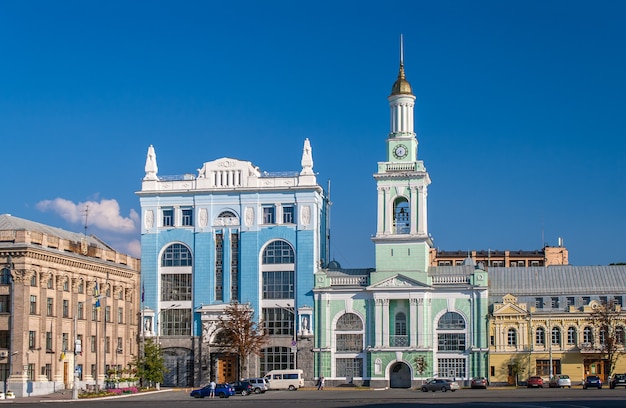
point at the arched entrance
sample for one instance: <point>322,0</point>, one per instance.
<point>400,376</point>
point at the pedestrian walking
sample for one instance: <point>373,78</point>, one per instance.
<point>320,383</point>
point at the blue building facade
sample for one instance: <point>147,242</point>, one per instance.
<point>230,233</point>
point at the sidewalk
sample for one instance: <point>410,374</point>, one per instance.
<point>66,396</point>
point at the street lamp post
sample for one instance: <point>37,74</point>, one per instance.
<point>158,331</point>
<point>294,342</point>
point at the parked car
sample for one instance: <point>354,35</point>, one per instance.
<point>618,380</point>
<point>260,385</point>
<point>440,384</point>
<point>560,381</point>
<point>242,387</point>
<point>534,382</point>
<point>479,382</point>
<point>592,381</point>
<point>221,390</point>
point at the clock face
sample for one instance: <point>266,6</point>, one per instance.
<point>400,151</point>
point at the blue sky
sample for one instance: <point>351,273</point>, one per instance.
<point>520,111</point>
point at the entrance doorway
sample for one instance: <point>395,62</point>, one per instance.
<point>226,369</point>
<point>400,376</point>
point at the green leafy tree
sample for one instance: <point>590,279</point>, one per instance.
<point>239,334</point>
<point>151,366</point>
<point>421,365</point>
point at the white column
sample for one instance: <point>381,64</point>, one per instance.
<point>378,316</point>
<point>388,212</point>
<point>414,208</point>
<point>381,211</point>
<point>413,322</point>
<point>385,323</point>
<point>421,218</point>
<point>421,329</point>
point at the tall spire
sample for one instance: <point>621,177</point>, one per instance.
<point>401,86</point>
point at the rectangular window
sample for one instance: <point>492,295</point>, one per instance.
<point>603,300</point>
<point>5,304</point>
<point>444,263</point>
<point>535,263</point>
<point>349,367</point>
<point>219,266</point>
<point>66,308</point>
<point>33,280</point>
<point>47,371</point>
<point>451,341</point>
<point>79,337</point>
<point>49,306</point>
<point>81,287</point>
<point>49,341</point>
<point>492,371</point>
<point>288,214</point>
<point>93,344</point>
<point>65,337</point>
<point>120,315</point>
<point>497,264</point>
<point>269,214</point>
<point>571,301</point>
<point>278,285</point>
<point>234,266</point>
<point>80,372</point>
<point>176,286</point>
<point>451,367</point>
<point>94,373</point>
<point>50,283</point>
<point>30,373</point>
<point>554,302</point>
<point>187,217</point>
<point>176,322</point>
<point>618,300</point>
<point>66,285</point>
<point>543,367</point>
<point>539,303</point>
<point>32,337</point>
<point>586,300</point>
<point>168,217</point>
<point>120,343</point>
<point>458,263</point>
<point>94,312</point>
<point>80,309</point>
<point>107,314</point>
<point>107,344</point>
<point>4,339</point>
<point>350,342</point>
<point>277,320</point>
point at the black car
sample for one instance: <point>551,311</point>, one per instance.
<point>242,387</point>
<point>618,380</point>
<point>592,381</point>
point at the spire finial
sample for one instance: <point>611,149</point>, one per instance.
<point>401,50</point>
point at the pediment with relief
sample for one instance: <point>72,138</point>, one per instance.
<point>509,309</point>
<point>398,282</point>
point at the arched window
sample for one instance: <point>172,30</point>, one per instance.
<point>176,285</point>
<point>33,280</point>
<point>556,336</point>
<point>588,335</point>
<point>176,255</point>
<point>227,218</point>
<point>278,271</point>
<point>451,332</point>
<point>349,333</point>
<point>451,321</point>
<point>571,336</point>
<point>603,334</point>
<point>278,252</point>
<point>540,336</point>
<point>401,216</point>
<point>512,337</point>
<point>400,324</point>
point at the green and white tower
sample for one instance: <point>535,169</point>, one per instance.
<point>402,240</point>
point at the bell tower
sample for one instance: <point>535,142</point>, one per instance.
<point>402,240</point>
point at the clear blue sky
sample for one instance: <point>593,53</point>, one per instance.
<point>520,111</point>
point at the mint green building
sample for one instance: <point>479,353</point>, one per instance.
<point>404,321</point>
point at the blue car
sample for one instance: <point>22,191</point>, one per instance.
<point>221,390</point>
<point>592,381</point>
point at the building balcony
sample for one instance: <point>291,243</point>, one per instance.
<point>399,341</point>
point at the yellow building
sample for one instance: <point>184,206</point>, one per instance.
<point>541,322</point>
<point>548,256</point>
<point>52,332</point>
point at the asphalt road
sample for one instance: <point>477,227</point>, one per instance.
<point>349,398</point>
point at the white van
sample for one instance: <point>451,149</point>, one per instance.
<point>285,379</point>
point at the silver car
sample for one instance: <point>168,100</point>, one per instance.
<point>440,384</point>
<point>560,381</point>
<point>259,385</point>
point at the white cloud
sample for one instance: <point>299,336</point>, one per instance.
<point>104,215</point>
<point>133,248</point>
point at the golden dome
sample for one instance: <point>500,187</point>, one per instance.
<point>401,86</point>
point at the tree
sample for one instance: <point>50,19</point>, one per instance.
<point>516,366</point>
<point>421,365</point>
<point>239,334</point>
<point>609,322</point>
<point>151,366</point>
